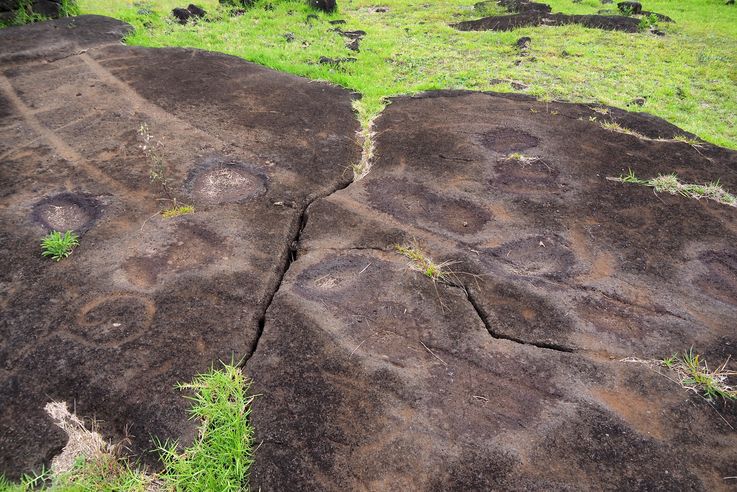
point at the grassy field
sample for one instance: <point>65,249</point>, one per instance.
<point>688,77</point>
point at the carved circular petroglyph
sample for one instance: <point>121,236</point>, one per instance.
<point>227,183</point>
<point>114,319</point>
<point>66,212</point>
<point>506,140</point>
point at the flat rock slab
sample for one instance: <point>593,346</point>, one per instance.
<point>143,302</point>
<point>374,377</point>
<point>532,19</point>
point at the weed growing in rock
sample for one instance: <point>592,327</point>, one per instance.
<point>221,457</point>
<point>692,373</point>
<point>613,126</point>
<point>648,21</point>
<point>669,183</point>
<point>59,246</point>
<point>158,173</point>
<point>423,263</point>
<point>177,211</point>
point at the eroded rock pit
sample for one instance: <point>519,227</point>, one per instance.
<point>507,374</point>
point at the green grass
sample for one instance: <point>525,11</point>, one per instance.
<point>177,211</point>
<point>687,77</point>
<point>219,459</point>
<point>423,263</point>
<point>693,373</point>
<point>25,14</point>
<point>669,183</point>
<point>59,246</point>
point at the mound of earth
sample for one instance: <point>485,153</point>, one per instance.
<point>144,302</point>
<point>504,373</point>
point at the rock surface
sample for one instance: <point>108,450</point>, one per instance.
<point>373,377</point>
<point>144,302</point>
<point>506,376</point>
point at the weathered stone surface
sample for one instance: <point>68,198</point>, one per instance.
<point>507,377</point>
<point>143,302</point>
<point>374,377</point>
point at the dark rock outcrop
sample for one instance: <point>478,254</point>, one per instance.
<point>144,302</point>
<point>323,5</point>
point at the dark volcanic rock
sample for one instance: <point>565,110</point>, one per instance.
<point>324,60</point>
<point>506,374</point>
<point>538,14</point>
<point>525,6</point>
<point>182,15</point>
<point>523,43</point>
<point>509,375</point>
<point>143,302</point>
<point>515,21</point>
<point>324,5</point>
<point>196,11</point>
<point>633,8</point>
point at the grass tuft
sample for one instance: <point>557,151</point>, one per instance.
<point>220,459</point>
<point>669,183</point>
<point>424,264</point>
<point>59,246</point>
<point>613,126</point>
<point>177,211</point>
<point>694,374</point>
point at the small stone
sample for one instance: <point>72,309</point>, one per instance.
<point>289,37</point>
<point>639,101</point>
<point>337,22</point>
<point>523,43</point>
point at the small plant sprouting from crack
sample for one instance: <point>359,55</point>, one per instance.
<point>157,173</point>
<point>59,246</point>
<point>692,373</point>
<point>669,183</point>
<point>366,137</point>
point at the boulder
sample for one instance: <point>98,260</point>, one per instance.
<point>631,8</point>
<point>323,5</point>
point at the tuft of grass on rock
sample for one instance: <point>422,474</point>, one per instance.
<point>669,183</point>
<point>59,246</point>
<point>693,373</point>
<point>221,457</point>
<point>613,126</point>
<point>423,263</point>
<point>177,211</point>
